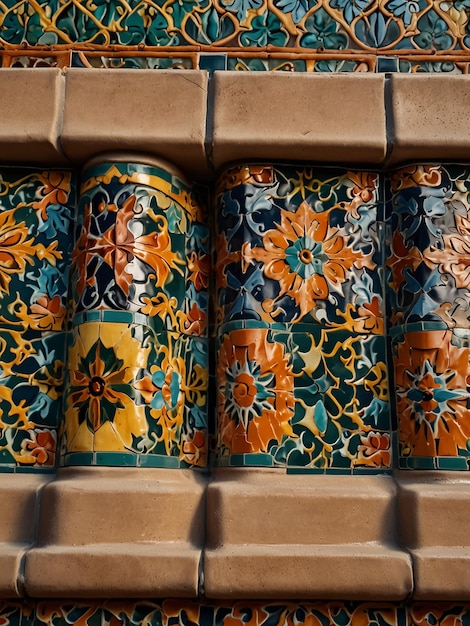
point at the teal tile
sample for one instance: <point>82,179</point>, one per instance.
<point>78,458</point>
<point>421,462</point>
<point>157,460</point>
<point>452,463</point>
<point>258,460</point>
<point>116,459</point>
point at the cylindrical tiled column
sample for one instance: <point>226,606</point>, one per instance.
<point>137,360</point>
<point>302,369</point>
<point>430,314</point>
<point>36,222</point>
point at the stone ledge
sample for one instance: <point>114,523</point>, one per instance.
<point>332,535</point>
<point>434,509</point>
<point>30,116</point>
<point>139,570</point>
<point>427,114</point>
<point>118,532</point>
<point>288,116</point>
<point>20,495</point>
<point>160,113</point>
<point>356,572</point>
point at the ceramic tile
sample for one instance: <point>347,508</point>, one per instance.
<point>132,61</point>
<point>423,27</point>
<point>300,245</point>
<point>428,270</point>
<point>131,390</point>
<point>432,397</point>
<point>31,383</point>
<point>142,246</point>
<point>36,219</point>
<point>312,399</point>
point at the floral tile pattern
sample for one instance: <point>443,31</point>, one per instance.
<point>315,399</point>
<point>300,245</point>
<point>429,213</point>
<point>142,246</point>
<point>37,211</point>
<point>347,26</point>
<point>302,369</point>
<point>428,276</point>
<point>138,359</point>
<point>182,612</point>
<point>132,390</point>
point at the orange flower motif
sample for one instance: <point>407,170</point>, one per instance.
<point>256,400</point>
<point>374,450</point>
<point>40,449</point>
<point>432,394</point>
<point>363,190</point>
<point>305,256</point>
<point>48,313</point>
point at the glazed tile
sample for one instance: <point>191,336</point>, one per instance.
<point>36,217</point>
<point>432,396</point>
<point>300,245</point>
<point>312,399</point>
<point>31,384</point>
<point>130,389</point>
<point>428,273</point>
<point>140,247</point>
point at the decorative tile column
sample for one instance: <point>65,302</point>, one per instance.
<point>430,317</point>
<point>302,388</point>
<point>302,372</point>
<point>136,393</point>
<point>137,368</point>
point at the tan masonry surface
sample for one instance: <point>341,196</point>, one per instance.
<point>111,532</point>
<point>67,117</point>
<point>108,532</point>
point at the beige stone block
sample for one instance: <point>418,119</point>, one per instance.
<point>11,562</point>
<point>160,113</point>
<point>30,115</point>
<point>428,117</point>
<point>19,495</point>
<point>294,116</point>
<point>442,574</point>
<point>135,570</point>
<point>303,536</point>
<point>108,530</point>
<point>356,572</point>
<point>434,509</point>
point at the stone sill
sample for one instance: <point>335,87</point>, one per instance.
<point>53,117</point>
<point>112,532</point>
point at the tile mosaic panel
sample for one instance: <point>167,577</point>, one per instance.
<point>142,246</point>
<point>429,216</point>
<point>37,211</point>
<point>131,390</point>
<point>315,399</point>
<point>251,613</point>
<point>184,612</point>
<point>300,245</point>
<point>433,399</point>
<point>373,26</point>
<point>136,391</point>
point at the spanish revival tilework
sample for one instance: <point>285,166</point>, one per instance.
<point>385,27</point>
<point>429,214</point>
<point>302,366</point>
<point>136,391</point>
<point>301,245</point>
<point>37,211</point>
<point>142,246</point>
<point>251,613</point>
<point>182,613</point>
